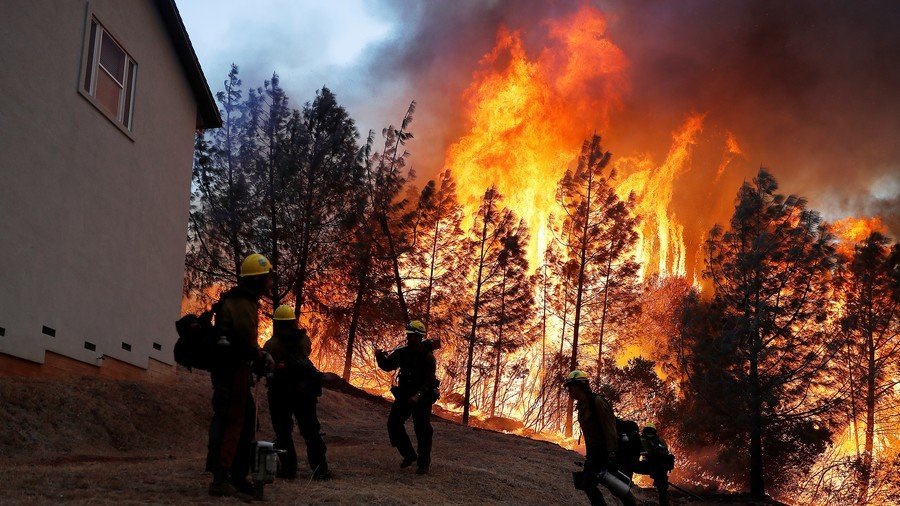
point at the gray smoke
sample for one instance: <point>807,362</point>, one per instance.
<point>811,89</point>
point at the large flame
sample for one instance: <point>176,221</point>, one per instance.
<point>851,231</point>
<point>660,246</point>
<point>529,116</point>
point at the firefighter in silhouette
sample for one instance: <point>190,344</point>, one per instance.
<point>656,461</point>
<point>234,414</point>
<point>414,395</point>
<point>598,426</point>
<point>294,388</point>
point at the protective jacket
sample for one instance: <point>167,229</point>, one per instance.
<point>294,372</point>
<point>598,425</point>
<point>417,371</point>
<point>238,320</point>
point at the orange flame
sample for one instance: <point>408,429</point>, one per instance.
<point>851,231</point>
<point>660,247</point>
<point>527,121</point>
<point>732,150</point>
<point>528,117</point>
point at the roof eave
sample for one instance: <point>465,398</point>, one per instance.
<point>207,110</point>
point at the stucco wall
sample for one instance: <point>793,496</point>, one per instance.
<point>92,223</point>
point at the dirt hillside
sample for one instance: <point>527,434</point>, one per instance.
<point>99,441</point>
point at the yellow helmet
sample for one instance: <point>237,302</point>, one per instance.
<point>255,265</point>
<point>576,377</point>
<point>650,426</point>
<point>284,312</point>
<point>415,327</point>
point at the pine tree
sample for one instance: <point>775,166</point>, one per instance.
<point>359,252</point>
<point>434,269</point>
<point>390,175</point>
<point>437,241</point>
<point>508,302</point>
<point>265,145</point>
<point>492,224</point>
<point>771,350</point>
<point>598,234</point>
<point>543,281</point>
<point>222,207</point>
<point>377,247</point>
<point>870,294</point>
<point>323,153</point>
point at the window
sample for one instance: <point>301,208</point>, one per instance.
<point>109,75</point>
<point>48,331</point>
<point>126,346</point>
<point>90,346</point>
<point>157,346</point>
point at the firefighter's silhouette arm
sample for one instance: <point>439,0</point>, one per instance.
<point>388,362</point>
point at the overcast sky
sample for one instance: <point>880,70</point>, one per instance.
<point>310,43</point>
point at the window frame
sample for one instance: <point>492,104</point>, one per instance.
<point>90,66</point>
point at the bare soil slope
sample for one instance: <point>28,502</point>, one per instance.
<point>98,441</point>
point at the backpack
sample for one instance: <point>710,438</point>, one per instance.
<point>629,440</point>
<point>658,453</point>
<point>196,347</point>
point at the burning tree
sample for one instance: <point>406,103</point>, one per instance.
<point>435,270</point>
<point>597,237</point>
<point>871,291</point>
<point>761,359</point>
<point>437,241</point>
<point>508,302</point>
<point>544,281</point>
<point>491,229</point>
<point>376,250</point>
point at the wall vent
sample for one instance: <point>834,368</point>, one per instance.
<point>2,331</point>
<point>126,346</point>
<point>90,346</point>
<point>156,346</point>
<point>48,331</point>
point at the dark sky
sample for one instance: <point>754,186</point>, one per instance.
<point>810,89</point>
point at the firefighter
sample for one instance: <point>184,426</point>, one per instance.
<point>234,414</point>
<point>598,426</point>
<point>414,395</point>
<point>657,461</point>
<point>294,388</point>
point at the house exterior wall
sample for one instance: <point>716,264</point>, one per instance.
<point>92,221</point>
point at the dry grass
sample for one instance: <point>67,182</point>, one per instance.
<point>96,441</point>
